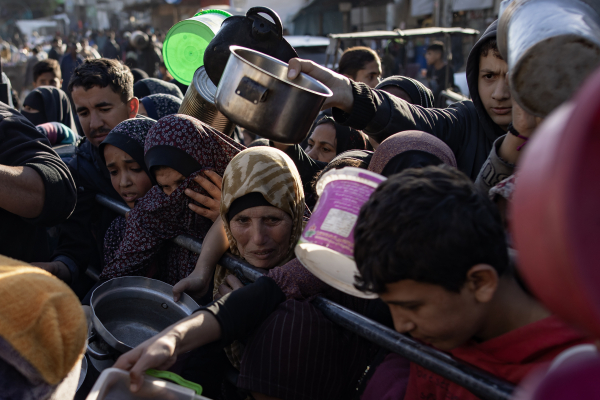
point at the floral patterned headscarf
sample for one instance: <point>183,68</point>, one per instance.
<point>157,217</point>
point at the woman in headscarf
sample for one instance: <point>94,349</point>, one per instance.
<point>159,105</point>
<point>123,153</point>
<point>148,86</point>
<point>262,209</point>
<point>410,149</point>
<point>329,139</point>
<point>407,89</point>
<point>48,104</point>
<point>177,149</point>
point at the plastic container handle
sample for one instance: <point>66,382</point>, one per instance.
<point>270,13</point>
<point>173,377</point>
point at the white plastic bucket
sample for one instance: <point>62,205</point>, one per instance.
<point>326,247</point>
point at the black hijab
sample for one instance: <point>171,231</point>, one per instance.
<point>148,86</point>
<point>346,137</point>
<point>418,93</point>
<point>160,105</point>
<point>53,106</point>
<point>138,75</point>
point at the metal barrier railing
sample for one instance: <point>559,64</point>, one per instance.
<point>480,383</point>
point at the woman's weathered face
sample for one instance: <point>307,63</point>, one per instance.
<point>263,235</point>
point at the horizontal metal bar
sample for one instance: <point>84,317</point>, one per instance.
<point>239,267</point>
<point>480,383</point>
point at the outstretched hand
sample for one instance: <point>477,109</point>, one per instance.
<point>196,285</point>
<point>340,85</point>
<point>157,352</point>
<point>212,183</point>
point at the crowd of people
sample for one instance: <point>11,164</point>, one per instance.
<point>432,242</point>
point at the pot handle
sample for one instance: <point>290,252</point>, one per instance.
<point>251,90</point>
<point>93,353</point>
<point>270,13</point>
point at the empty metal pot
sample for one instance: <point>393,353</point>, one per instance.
<point>129,310</point>
<point>256,94</point>
<point>551,47</point>
<point>199,102</point>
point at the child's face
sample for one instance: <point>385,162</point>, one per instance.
<point>434,315</point>
<point>127,177</point>
<point>47,79</point>
<point>168,179</point>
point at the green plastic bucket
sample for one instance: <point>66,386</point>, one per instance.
<point>186,41</point>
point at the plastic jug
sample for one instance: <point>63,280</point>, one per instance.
<point>186,41</point>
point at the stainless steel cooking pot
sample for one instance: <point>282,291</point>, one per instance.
<point>129,310</point>
<point>256,94</point>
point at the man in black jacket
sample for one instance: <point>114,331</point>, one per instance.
<point>102,91</point>
<point>469,128</point>
<point>36,188</point>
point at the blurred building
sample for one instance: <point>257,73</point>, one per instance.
<point>322,17</point>
<point>162,14</point>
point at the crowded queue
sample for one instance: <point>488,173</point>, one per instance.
<point>432,245</point>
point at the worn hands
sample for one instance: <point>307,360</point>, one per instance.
<point>56,268</point>
<point>523,122</point>
<point>212,183</point>
<point>231,283</point>
<point>340,85</point>
<point>158,352</point>
<point>195,284</point>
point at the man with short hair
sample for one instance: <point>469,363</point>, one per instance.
<point>47,73</point>
<point>102,92</point>
<point>439,74</point>
<point>361,64</point>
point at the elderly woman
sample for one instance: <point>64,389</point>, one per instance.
<point>262,208</point>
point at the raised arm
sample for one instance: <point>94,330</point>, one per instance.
<point>380,114</point>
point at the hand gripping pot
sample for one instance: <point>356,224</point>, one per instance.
<point>256,94</point>
<point>326,247</point>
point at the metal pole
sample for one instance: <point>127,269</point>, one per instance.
<point>239,267</point>
<point>478,382</point>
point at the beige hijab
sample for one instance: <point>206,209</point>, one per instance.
<point>272,173</point>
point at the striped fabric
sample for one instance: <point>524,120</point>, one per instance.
<point>298,354</point>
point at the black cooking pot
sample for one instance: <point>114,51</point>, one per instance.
<point>253,32</point>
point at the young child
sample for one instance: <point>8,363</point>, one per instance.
<point>123,153</point>
<point>47,73</point>
<point>434,249</point>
